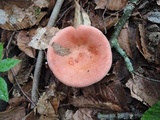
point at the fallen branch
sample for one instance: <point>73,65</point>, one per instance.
<point>119,116</point>
<point>36,77</point>
<point>114,42</point>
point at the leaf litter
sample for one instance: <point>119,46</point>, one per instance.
<point>115,93</point>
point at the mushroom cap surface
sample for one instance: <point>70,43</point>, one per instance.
<point>88,56</point>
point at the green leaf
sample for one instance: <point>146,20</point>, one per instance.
<point>7,64</point>
<point>1,51</point>
<point>153,113</point>
<point>3,90</point>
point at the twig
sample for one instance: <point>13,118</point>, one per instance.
<point>36,77</point>
<point>13,73</point>
<point>9,42</point>
<point>114,42</point>
<point>38,66</point>
<point>119,116</point>
<point>55,13</point>
<point>146,78</point>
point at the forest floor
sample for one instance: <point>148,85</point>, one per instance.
<point>36,94</point>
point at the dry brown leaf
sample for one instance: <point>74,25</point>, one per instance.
<point>42,37</point>
<point>41,3</point>
<point>19,14</point>
<point>120,70</point>
<point>84,114</point>
<point>60,50</point>
<point>102,96</point>
<point>21,70</point>
<point>23,40</point>
<point>142,45</point>
<point>55,103</point>
<point>6,35</point>
<point>14,114</point>
<point>144,90</point>
<point>101,23</point>
<point>124,41</point>
<point>80,16</point>
<point>110,4</point>
<point>16,101</point>
<point>45,108</point>
<point>31,116</point>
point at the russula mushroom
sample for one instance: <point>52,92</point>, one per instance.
<point>79,57</point>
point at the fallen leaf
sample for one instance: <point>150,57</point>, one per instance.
<point>60,50</point>
<point>41,3</point>
<point>120,70</point>
<point>22,70</point>
<point>142,45</point>
<point>144,90</point>
<point>31,116</point>
<point>42,37</point>
<point>19,14</point>
<point>80,16</point>
<point>154,17</point>
<point>14,114</point>
<point>45,109</point>
<point>124,40</point>
<point>100,23</point>
<point>102,96</point>
<point>84,114</point>
<point>23,40</point>
<point>16,101</point>
<point>110,4</point>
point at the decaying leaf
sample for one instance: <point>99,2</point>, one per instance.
<point>45,109</point>
<point>21,70</point>
<point>42,37</point>
<point>144,90</point>
<point>60,50</point>
<point>142,45</point>
<point>14,114</point>
<point>23,40</point>
<point>31,116</point>
<point>84,114</point>
<point>102,96</point>
<point>123,40</point>
<point>154,17</point>
<point>16,101</point>
<point>21,14</point>
<point>80,17</point>
<point>110,4</point>
<point>120,70</point>
<point>100,23</point>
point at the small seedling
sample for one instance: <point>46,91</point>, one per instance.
<point>5,65</point>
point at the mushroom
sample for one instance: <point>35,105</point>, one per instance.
<point>79,57</point>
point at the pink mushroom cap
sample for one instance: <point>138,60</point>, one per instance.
<point>89,58</point>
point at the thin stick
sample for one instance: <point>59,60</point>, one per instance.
<point>13,73</point>
<point>118,116</point>
<point>9,42</point>
<point>38,66</point>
